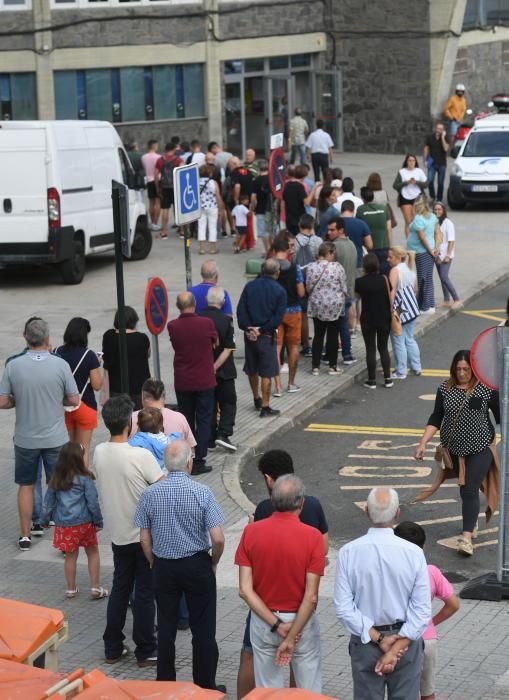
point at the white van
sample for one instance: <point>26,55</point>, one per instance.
<point>481,170</point>
<point>55,194</point>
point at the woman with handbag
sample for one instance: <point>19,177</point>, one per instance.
<point>404,285</point>
<point>467,442</point>
<point>85,366</point>
<point>326,286</point>
<point>374,291</point>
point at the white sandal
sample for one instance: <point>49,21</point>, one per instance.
<point>98,593</point>
<point>72,593</point>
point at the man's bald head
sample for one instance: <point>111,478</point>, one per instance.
<point>270,268</point>
<point>209,271</point>
<point>287,493</point>
<point>233,163</point>
<point>186,302</point>
<point>250,156</point>
<point>382,506</point>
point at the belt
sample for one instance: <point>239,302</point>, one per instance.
<point>284,612</point>
<point>393,627</point>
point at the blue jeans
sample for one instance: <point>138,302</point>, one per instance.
<point>406,350</point>
<point>439,171</point>
<point>344,334</point>
<point>301,150</point>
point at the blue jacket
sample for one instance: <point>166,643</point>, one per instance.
<point>262,304</point>
<point>150,443</point>
<point>77,506</point>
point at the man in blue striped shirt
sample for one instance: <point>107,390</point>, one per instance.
<point>180,521</point>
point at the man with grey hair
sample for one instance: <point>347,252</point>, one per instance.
<point>180,521</point>
<point>38,385</point>
<point>382,597</point>
<point>209,278</point>
<point>280,563</point>
<point>225,399</point>
<point>260,311</point>
<point>193,339</point>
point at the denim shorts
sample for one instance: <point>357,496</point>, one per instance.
<point>26,463</point>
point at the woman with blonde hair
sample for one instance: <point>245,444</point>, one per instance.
<point>424,240</point>
<point>403,287</point>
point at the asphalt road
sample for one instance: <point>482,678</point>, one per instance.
<point>366,438</point>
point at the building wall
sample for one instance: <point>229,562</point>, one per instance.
<point>484,69</point>
<point>386,80</point>
<point>141,132</point>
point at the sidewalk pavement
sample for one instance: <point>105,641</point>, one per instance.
<point>473,644</point>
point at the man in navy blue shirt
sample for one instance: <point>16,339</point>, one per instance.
<point>356,230</point>
<point>210,278</point>
<point>260,311</point>
<point>272,465</point>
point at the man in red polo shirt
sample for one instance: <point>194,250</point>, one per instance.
<point>193,338</point>
<point>281,560</point>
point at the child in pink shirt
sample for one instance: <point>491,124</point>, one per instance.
<point>440,588</point>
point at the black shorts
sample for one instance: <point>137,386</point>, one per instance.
<point>151,190</point>
<point>403,200</point>
<point>261,357</point>
<point>167,197</point>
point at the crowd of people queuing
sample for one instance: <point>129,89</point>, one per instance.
<point>336,263</point>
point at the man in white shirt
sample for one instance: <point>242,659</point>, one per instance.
<point>319,144</point>
<point>382,597</point>
<point>123,473</point>
<point>347,195</point>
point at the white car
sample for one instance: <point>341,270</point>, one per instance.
<point>55,194</point>
<point>480,172</point>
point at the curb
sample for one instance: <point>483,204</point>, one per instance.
<point>232,466</point>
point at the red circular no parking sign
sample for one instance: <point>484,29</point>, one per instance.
<point>484,358</point>
<point>277,172</point>
<point>156,305</point>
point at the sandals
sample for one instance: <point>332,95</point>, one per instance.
<point>72,593</point>
<point>98,593</point>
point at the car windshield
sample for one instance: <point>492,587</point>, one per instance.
<point>487,144</point>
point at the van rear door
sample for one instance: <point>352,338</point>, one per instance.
<point>23,186</point>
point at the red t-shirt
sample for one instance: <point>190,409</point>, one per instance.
<point>281,550</point>
<point>193,338</point>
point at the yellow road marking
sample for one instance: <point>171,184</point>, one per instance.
<point>361,429</point>
<point>482,314</point>
<point>435,373</point>
<point>389,458</point>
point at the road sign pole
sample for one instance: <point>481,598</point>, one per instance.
<point>119,214</point>
<point>155,356</point>
<point>187,255</point>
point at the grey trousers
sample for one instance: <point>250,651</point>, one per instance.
<point>402,684</point>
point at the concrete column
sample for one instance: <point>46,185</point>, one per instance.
<point>445,16</point>
<point>43,42</point>
<point>213,80</point>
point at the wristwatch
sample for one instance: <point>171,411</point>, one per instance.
<point>380,639</point>
<point>276,625</point>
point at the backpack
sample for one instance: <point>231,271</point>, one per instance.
<point>167,169</point>
<point>304,254</point>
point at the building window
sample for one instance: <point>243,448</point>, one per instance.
<point>486,13</point>
<point>111,3</point>
<point>15,4</point>
<point>131,94</point>
<point>17,96</point>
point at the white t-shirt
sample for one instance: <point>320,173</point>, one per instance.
<point>122,474</point>
<point>412,191</point>
<point>448,233</point>
<point>348,197</point>
<point>198,158</point>
<point>319,141</point>
<point>240,213</point>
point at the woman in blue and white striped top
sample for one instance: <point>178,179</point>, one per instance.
<point>404,285</point>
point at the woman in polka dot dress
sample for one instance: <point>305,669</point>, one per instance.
<point>461,414</point>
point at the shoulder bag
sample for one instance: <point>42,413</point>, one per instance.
<point>316,283</point>
<point>71,409</point>
<point>396,325</point>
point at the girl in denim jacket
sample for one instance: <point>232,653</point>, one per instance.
<point>71,501</point>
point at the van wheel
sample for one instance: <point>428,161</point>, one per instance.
<point>142,241</point>
<point>454,203</point>
<point>73,269</point>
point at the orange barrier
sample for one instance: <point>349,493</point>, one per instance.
<point>95,685</point>
<point>22,682</point>
<point>28,632</point>
<point>284,693</point>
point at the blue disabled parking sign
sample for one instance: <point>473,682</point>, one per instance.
<point>186,186</point>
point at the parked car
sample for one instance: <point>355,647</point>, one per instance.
<point>55,194</point>
<point>480,172</point>
<point>499,104</point>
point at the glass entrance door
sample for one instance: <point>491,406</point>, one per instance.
<point>234,108</point>
<point>279,104</point>
<point>329,104</point>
